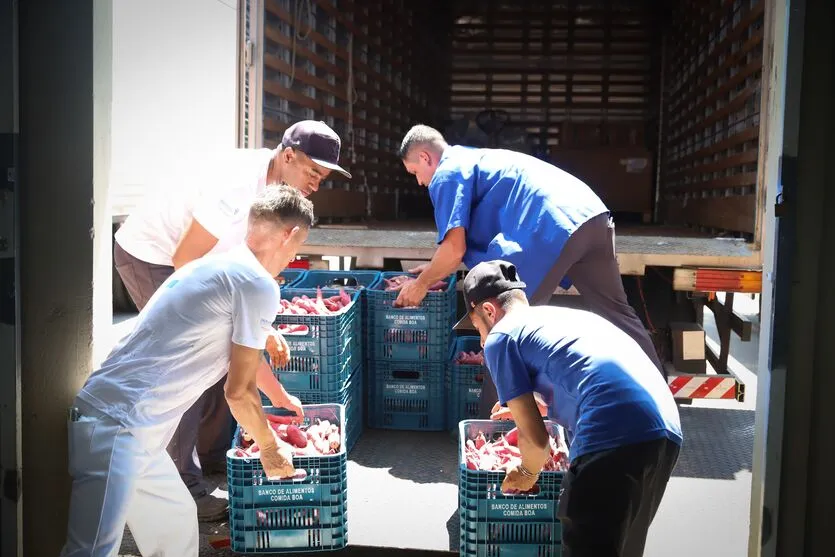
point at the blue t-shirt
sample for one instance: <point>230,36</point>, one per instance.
<point>513,207</point>
<point>598,383</point>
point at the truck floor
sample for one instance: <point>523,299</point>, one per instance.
<point>421,235</point>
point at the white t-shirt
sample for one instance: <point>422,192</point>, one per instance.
<point>180,345</point>
<point>216,191</point>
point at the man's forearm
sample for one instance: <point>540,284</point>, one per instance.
<point>533,436</point>
<point>445,262</point>
<point>268,384</point>
<point>534,455</point>
<point>249,413</point>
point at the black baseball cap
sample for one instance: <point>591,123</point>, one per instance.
<point>316,140</point>
<point>487,280</point>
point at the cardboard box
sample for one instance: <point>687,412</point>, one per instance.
<point>688,340</point>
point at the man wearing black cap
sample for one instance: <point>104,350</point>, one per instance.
<point>601,387</point>
<point>205,211</point>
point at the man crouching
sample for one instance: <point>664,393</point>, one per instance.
<point>211,318</point>
<point>618,412</point>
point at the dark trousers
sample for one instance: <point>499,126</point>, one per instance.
<point>609,499</point>
<point>588,259</point>
<point>204,432</point>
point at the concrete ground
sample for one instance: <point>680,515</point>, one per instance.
<point>403,485</point>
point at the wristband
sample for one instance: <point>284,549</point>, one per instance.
<point>527,473</point>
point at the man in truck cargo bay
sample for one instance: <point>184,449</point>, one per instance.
<point>500,204</point>
<point>207,324</point>
<point>206,212</point>
<point>617,410</point>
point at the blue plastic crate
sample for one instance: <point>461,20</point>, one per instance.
<point>420,333</point>
<point>290,515</point>
<point>407,395</point>
<point>436,310</point>
<point>354,410</point>
<point>349,280</point>
<point>327,374</point>
<point>339,279</point>
<point>289,277</point>
<point>351,396</point>
<point>326,333</point>
<point>493,523</point>
<point>431,345</point>
<point>464,382</point>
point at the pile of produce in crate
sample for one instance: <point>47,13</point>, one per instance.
<point>319,438</point>
<point>502,454</point>
<point>470,358</point>
<point>304,305</point>
<point>395,283</point>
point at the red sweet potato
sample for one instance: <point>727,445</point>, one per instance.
<point>512,437</point>
<point>295,437</point>
<point>283,419</point>
<point>470,358</point>
<point>438,286</point>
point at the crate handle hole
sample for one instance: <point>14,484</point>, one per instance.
<point>344,281</point>
<point>406,374</point>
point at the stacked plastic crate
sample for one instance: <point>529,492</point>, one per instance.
<point>305,513</point>
<point>495,523</point>
<point>466,374</point>
<point>408,358</point>
<point>289,277</point>
<point>326,358</point>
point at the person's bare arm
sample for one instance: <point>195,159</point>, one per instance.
<point>242,392</point>
<point>533,437</point>
<point>447,257</point>
<point>275,391</point>
<point>533,444</point>
<point>245,404</point>
<point>194,244</point>
<point>446,260</point>
<point>500,412</point>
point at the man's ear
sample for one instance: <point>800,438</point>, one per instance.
<point>292,233</point>
<point>288,154</point>
<point>489,309</point>
<point>426,157</point>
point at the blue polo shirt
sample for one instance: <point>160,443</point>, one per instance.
<point>598,383</point>
<point>513,207</point>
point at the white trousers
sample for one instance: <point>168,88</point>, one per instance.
<point>117,482</point>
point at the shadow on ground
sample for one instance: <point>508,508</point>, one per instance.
<point>421,457</point>
<point>453,526</point>
<point>708,455</point>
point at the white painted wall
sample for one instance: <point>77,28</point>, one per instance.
<point>174,89</point>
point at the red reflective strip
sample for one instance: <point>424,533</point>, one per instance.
<point>678,383</point>
<point>708,384</point>
<point>731,393</point>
